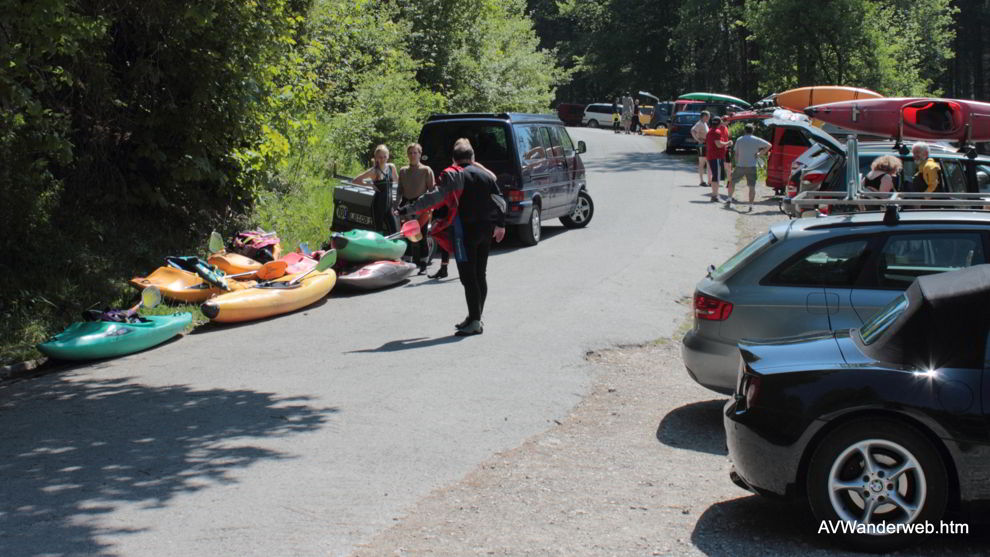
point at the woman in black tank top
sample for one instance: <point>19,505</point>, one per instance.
<point>383,176</point>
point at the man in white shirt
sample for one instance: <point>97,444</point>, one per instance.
<point>747,150</point>
<point>699,131</point>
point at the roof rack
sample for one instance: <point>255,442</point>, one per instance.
<point>855,198</point>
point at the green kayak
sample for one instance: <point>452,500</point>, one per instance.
<point>89,340</point>
<point>715,98</point>
<point>358,246</point>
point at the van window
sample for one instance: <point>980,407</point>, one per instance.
<point>545,138</point>
<point>565,141</point>
<point>532,152</point>
<point>489,141</point>
<point>556,144</point>
<point>955,175</point>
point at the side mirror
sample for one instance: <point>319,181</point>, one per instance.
<point>582,147</point>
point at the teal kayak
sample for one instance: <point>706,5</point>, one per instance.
<point>715,98</point>
<point>358,246</point>
<point>89,340</point>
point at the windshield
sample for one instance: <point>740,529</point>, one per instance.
<point>488,140</point>
<point>754,247</point>
<point>882,319</point>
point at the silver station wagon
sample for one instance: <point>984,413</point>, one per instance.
<point>828,273</point>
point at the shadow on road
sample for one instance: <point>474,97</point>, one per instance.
<point>757,525</point>
<point>696,426</point>
<point>73,451</point>
<point>409,344</point>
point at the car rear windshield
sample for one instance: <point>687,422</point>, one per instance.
<point>755,247</point>
<point>687,118</point>
<point>488,140</point>
<point>882,319</point>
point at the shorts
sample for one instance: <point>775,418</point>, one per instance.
<point>717,167</point>
<point>701,150</point>
<point>749,172</point>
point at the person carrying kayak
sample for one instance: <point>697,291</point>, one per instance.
<point>383,175</point>
<point>476,214</point>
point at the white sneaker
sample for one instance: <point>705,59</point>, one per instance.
<point>472,328</point>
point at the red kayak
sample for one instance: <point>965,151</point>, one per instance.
<point>910,118</point>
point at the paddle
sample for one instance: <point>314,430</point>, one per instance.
<point>410,229</point>
<point>150,297</point>
<point>268,271</point>
<point>325,262</point>
<point>216,242</point>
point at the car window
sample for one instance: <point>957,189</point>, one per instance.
<point>751,250</point>
<point>906,257</point>
<point>983,178</point>
<point>556,148</point>
<point>835,264</point>
<point>794,138</point>
<point>882,319</point>
<point>545,138</point>
<point>488,140</point>
<point>532,151</point>
<point>955,175</point>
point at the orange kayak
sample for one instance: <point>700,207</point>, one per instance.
<point>233,263</point>
<point>183,286</point>
<point>266,301</point>
<point>803,97</point>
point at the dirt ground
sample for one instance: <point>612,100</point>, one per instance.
<point>638,468</point>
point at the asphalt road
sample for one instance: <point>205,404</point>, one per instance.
<point>310,433</point>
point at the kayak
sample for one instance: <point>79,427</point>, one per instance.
<point>88,340</point>
<point>377,275</point>
<point>233,263</point>
<point>714,98</point>
<point>358,246</point>
<point>910,118</point>
<point>269,299</point>
<point>803,97</point>
<point>184,286</point>
<point>659,132</point>
<point>297,263</point>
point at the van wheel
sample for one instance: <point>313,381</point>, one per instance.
<point>668,149</point>
<point>584,209</point>
<point>592,123</point>
<point>529,233</point>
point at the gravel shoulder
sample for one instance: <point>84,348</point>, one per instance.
<point>638,467</point>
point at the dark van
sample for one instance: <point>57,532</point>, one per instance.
<point>538,166</point>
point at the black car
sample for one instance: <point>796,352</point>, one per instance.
<point>876,426</point>
<point>538,166</point>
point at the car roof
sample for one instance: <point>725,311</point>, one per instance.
<point>512,117</point>
<point>906,217</point>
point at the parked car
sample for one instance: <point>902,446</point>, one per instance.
<point>662,112</point>
<point>679,133</point>
<point>884,424</point>
<point>822,274</point>
<point>822,167</point>
<point>598,115</point>
<point>570,114</point>
<point>538,166</point>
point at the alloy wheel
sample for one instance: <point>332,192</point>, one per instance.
<point>877,480</point>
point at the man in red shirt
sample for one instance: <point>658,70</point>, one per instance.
<point>717,144</point>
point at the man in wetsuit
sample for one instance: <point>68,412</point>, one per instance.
<point>468,193</point>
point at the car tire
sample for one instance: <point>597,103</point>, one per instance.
<point>849,477</point>
<point>584,209</point>
<point>529,233</point>
<point>668,149</point>
<point>593,123</point>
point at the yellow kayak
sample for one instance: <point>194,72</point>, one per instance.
<point>265,301</point>
<point>233,263</point>
<point>660,132</point>
<point>183,286</point>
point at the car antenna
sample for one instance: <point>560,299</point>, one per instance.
<point>891,215</point>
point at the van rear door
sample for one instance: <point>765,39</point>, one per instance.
<point>489,138</point>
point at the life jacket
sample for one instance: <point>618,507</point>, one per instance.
<point>193,264</point>
<point>443,219</point>
<point>257,244</point>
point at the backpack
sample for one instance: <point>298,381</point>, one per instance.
<point>257,244</point>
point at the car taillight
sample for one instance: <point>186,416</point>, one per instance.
<point>751,388</point>
<point>813,177</point>
<point>791,190</point>
<point>673,128</point>
<point>711,308</point>
<point>515,196</point>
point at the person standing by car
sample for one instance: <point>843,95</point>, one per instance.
<point>748,149</point>
<point>635,117</point>
<point>717,144</point>
<point>926,178</point>
<point>414,181</point>
<point>473,193</point>
<point>699,131</point>
<point>383,175</point>
<point>882,172</point>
